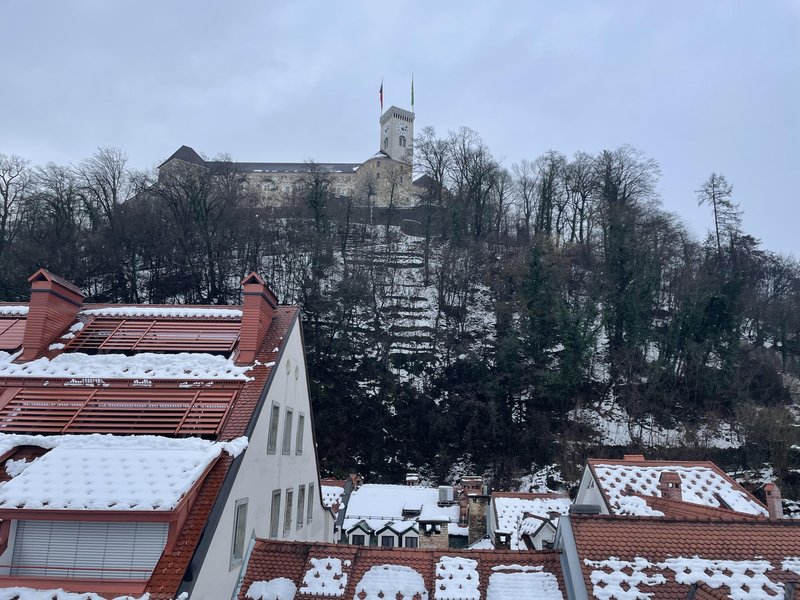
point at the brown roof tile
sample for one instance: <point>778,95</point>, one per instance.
<point>293,560</point>
<point>657,543</point>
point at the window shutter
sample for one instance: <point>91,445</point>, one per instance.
<point>87,549</point>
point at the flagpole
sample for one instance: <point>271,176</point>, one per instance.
<point>412,92</point>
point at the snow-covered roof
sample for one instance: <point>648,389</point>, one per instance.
<point>145,365</point>
<point>164,312</point>
<point>25,593</point>
<point>106,472</point>
<point>341,571</point>
<point>331,494</point>
<point>700,484</point>
<point>11,310</point>
<point>509,511</point>
<point>379,505</point>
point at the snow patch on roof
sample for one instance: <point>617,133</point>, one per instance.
<point>380,505</point>
<point>13,311</point>
<point>525,583</point>
<point>636,505</point>
<point>387,581</point>
<point>791,563</point>
<point>699,485</point>
<point>165,312</point>
<point>145,365</point>
<point>106,472</point>
<point>457,579</point>
<point>610,581</point>
<point>324,578</point>
<point>746,579</point>
<point>280,588</point>
<point>23,593</point>
<point>331,494</point>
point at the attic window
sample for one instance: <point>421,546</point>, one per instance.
<point>148,335</point>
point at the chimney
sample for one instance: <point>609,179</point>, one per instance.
<point>633,457</point>
<point>669,484</point>
<point>502,540</point>
<point>774,503</point>
<point>412,479</point>
<point>259,304</point>
<point>55,304</point>
<point>357,480</point>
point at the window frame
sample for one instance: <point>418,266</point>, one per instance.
<point>310,511</point>
<point>410,538</point>
<point>298,436</point>
<point>390,538</point>
<point>275,514</point>
<point>272,433</point>
<point>361,535</point>
<point>288,417</point>
<point>287,514</point>
<point>301,506</point>
<point>239,527</point>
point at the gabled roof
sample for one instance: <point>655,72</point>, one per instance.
<point>187,154</point>
<point>702,483</point>
<point>663,557</point>
<point>341,571</point>
<point>175,394</point>
<point>510,508</point>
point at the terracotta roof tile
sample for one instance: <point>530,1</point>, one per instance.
<point>347,567</point>
<point>653,546</point>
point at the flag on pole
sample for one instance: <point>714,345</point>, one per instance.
<point>380,94</point>
<point>412,92</point>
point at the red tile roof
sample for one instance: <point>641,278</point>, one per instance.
<point>754,506</point>
<point>292,560</point>
<point>671,554</point>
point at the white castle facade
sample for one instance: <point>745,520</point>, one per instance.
<point>384,179</point>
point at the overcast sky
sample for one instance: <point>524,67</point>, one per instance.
<point>699,85</point>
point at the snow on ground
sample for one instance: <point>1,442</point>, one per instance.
<point>145,365</point>
<point>536,482</point>
<point>106,472</point>
<point>614,427</point>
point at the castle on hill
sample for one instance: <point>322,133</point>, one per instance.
<point>384,179</point>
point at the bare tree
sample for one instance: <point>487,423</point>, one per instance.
<point>525,181</point>
<point>15,183</point>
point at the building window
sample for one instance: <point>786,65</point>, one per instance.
<point>239,531</point>
<point>411,542</point>
<point>298,443</point>
<point>387,541</point>
<point>402,141</point>
<point>311,499</point>
<point>287,516</point>
<point>358,539</point>
<point>378,175</point>
<point>287,432</point>
<point>385,143</point>
<point>301,505</point>
<point>272,438</point>
<point>275,514</point>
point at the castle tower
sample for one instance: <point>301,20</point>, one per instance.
<point>397,134</point>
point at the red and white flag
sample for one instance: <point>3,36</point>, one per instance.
<point>380,94</point>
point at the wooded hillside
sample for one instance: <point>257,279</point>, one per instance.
<point>517,316</point>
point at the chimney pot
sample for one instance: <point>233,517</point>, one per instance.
<point>54,305</point>
<point>258,306</point>
<point>774,502</point>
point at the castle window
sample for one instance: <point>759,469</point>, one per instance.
<point>402,141</point>
<point>386,142</point>
<point>378,175</point>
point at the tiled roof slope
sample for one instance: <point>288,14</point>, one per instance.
<point>660,558</point>
<point>364,572</point>
<point>703,483</point>
<point>169,571</point>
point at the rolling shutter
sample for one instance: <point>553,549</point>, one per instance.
<point>87,550</point>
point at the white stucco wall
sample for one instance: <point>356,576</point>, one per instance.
<point>588,492</point>
<point>261,473</point>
